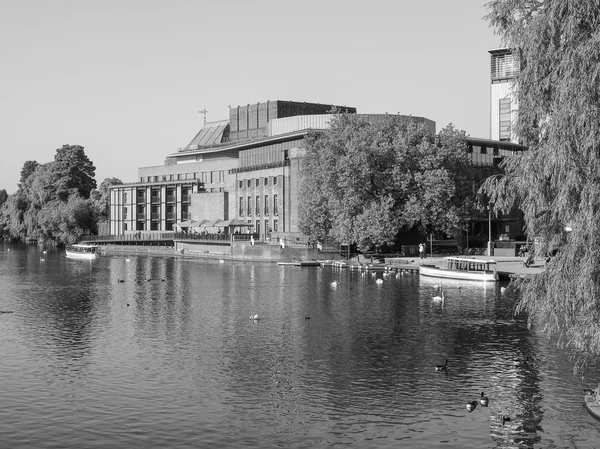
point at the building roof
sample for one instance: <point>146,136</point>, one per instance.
<point>244,145</point>
<point>211,133</point>
<point>500,143</point>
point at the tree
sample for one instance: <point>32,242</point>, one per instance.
<point>101,198</point>
<point>74,172</point>
<point>362,182</point>
<point>66,222</point>
<point>52,200</point>
<point>28,168</point>
<point>556,183</point>
<point>3,197</point>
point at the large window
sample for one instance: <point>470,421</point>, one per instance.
<point>275,228</point>
<point>275,207</point>
<point>241,209</point>
<point>249,206</point>
<point>257,205</point>
<point>505,119</point>
<point>504,66</point>
<point>266,204</point>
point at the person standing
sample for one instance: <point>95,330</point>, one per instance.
<point>421,250</point>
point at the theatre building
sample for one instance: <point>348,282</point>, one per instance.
<point>247,168</point>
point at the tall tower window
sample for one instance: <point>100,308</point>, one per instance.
<point>504,119</point>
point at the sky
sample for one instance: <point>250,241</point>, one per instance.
<point>125,79</point>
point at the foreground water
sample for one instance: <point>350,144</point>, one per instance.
<point>168,358</point>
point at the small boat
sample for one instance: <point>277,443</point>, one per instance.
<point>592,405</point>
<point>463,268</point>
<point>81,251</point>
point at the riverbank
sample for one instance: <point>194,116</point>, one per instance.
<point>510,267</point>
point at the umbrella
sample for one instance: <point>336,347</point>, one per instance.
<point>201,223</point>
<point>216,222</point>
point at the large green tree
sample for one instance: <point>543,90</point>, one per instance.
<point>74,172</point>
<point>101,197</point>
<point>364,181</point>
<point>52,202</point>
<point>557,182</point>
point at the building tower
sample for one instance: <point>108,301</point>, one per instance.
<point>503,99</point>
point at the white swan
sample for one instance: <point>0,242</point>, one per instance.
<point>439,298</point>
<point>334,284</point>
<point>254,317</point>
<point>379,281</point>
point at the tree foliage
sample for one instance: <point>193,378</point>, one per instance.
<point>363,182</point>
<point>52,202</point>
<point>74,172</point>
<point>101,197</point>
<point>556,183</point>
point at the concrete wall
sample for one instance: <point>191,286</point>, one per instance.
<point>246,251</point>
<point>210,206</point>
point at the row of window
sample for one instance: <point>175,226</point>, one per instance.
<point>207,177</point>
<point>257,182</point>
<point>257,206</point>
<point>155,226</point>
<point>266,231</point>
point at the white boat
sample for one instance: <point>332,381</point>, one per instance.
<point>81,251</point>
<point>464,268</point>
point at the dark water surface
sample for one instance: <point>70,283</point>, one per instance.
<point>169,358</point>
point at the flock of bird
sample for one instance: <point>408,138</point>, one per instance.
<point>472,405</point>
<point>379,281</point>
<point>483,400</point>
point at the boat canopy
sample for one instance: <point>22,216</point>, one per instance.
<point>470,264</point>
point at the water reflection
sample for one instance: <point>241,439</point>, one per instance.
<point>170,353</point>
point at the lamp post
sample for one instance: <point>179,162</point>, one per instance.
<point>489,249</point>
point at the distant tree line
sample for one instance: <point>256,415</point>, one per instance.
<point>56,202</point>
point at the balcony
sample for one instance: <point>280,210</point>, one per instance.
<point>170,198</point>
<point>186,198</point>
<point>170,215</point>
<point>155,216</point>
<point>186,215</point>
<point>141,215</point>
<point>155,199</point>
<point>141,199</point>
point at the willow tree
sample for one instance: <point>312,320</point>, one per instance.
<point>364,181</point>
<point>557,182</point>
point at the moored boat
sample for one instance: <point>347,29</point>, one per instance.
<point>592,405</point>
<point>81,251</point>
<point>463,268</point>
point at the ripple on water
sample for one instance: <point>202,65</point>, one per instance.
<point>182,366</point>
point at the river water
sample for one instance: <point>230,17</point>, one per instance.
<point>168,358</point>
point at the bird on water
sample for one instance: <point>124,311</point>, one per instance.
<point>483,400</point>
<point>443,367</point>
<point>471,406</point>
<point>439,298</point>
